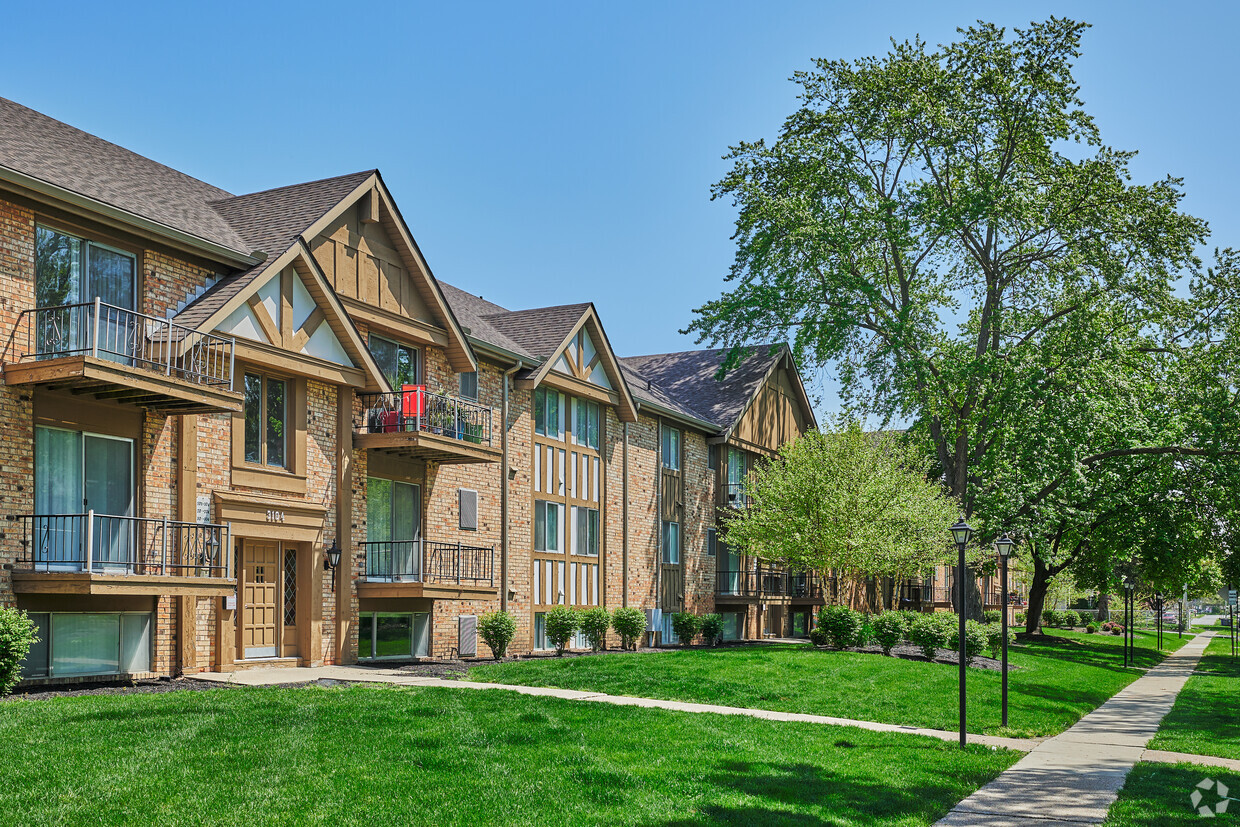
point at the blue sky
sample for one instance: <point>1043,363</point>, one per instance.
<point>554,153</point>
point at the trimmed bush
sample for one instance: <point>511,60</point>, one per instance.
<point>686,625</point>
<point>865,635</point>
<point>992,616</point>
<point>712,629</point>
<point>594,625</point>
<point>562,624</point>
<point>1070,619</point>
<point>818,637</point>
<point>1091,629</point>
<point>975,640</point>
<point>497,630</point>
<point>909,617</point>
<point>1117,630</point>
<point>1049,617</point>
<point>841,625</point>
<point>17,635</point>
<point>630,625</point>
<point>888,630</point>
<point>994,638</point>
<point>1021,617</point>
<point>928,634</point>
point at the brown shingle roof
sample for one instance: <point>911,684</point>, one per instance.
<point>540,330</point>
<point>54,152</point>
<point>690,376</point>
<point>473,313</point>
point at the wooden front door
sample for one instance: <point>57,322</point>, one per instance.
<point>261,575</point>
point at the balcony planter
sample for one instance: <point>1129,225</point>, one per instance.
<point>472,432</point>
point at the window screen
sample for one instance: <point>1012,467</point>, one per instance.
<point>469,509</point>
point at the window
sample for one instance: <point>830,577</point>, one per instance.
<point>290,587</point>
<point>736,478</point>
<point>469,385</point>
<point>393,528</point>
<point>394,636</point>
<point>585,531</point>
<point>671,543</point>
<point>468,502</point>
<point>585,423</point>
<point>71,270</point>
<point>398,362</point>
<point>712,457</point>
<point>669,631</point>
<point>266,420</point>
<point>95,643</point>
<point>547,525</point>
<point>540,631</point>
<point>710,542</point>
<point>671,448</point>
<point>76,472</point>
<point>548,416</point>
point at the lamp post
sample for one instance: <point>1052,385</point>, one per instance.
<point>1004,547</point>
<point>331,560</point>
<point>961,533</point>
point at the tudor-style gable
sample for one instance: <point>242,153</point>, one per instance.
<point>777,412</point>
<point>582,360</point>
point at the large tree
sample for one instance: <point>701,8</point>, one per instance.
<point>947,228</point>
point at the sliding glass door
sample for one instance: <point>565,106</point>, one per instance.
<point>393,529</point>
<point>72,271</point>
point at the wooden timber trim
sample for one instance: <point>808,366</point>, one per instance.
<point>82,582</point>
<point>104,379</point>
<point>435,591</point>
<point>425,446</point>
<point>393,324</point>
<point>259,517</point>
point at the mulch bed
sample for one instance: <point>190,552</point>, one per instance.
<point>459,668</point>
<point>43,693</point>
<point>907,651</point>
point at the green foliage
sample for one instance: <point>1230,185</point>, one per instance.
<point>929,634</point>
<point>1069,619</point>
<point>562,623</point>
<point>1091,629</point>
<point>594,625</point>
<point>818,636</point>
<point>1020,618</point>
<point>712,629</point>
<point>844,499</point>
<point>497,630</point>
<point>994,638</point>
<point>630,624</point>
<point>976,639</point>
<point>17,635</point>
<point>888,629</point>
<point>1050,617</point>
<point>909,616</point>
<point>841,625</point>
<point>686,625</point>
<point>992,616</point>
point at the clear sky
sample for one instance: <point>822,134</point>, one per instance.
<point>547,153</point>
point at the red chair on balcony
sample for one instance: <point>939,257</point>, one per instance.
<point>413,406</point>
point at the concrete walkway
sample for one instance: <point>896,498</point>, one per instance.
<point>368,674</point>
<point>1074,777</point>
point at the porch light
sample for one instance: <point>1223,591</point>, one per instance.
<point>333,556</point>
<point>962,532</point>
<point>1004,545</point>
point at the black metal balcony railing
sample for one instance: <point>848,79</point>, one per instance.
<point>104,543</point>
<point>425,561</point>
<point>734,495</point>
<point>418,410</point>
<point>771,583</point>
<point>926,594</point>
<point>102,330</point>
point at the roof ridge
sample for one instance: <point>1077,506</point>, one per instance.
<point>291,186</point>
<point>703,350</point>
<point>574,305</point>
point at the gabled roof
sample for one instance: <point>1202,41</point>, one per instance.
<point>542,330</point>
<point>270,221</point>
<point>473,312</point>
<point>647,392</point>
<point>43,148</point>
<point>690,375</point>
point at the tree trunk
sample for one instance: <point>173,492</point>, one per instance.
<point>1104,606</point>
<point>1037,595</point>
<point>972,594</point>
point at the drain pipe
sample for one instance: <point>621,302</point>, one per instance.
<point>503,488</point>
<point>624,521</point>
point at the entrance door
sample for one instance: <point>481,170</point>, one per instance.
<point>108,491</point>
<point>260,598</point>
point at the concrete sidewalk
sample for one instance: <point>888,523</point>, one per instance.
<point>367,674</point>
<point>1074,777</point>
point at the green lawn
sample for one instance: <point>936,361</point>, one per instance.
<point>1206,717</point>
<point>1060,679</point>
<point>386,755</point>
<point>1157,795</point>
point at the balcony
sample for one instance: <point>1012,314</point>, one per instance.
<point>103,554</point>
<point>111,353</point>
<point>915,595</point>
<point>424,568</point>
<point>416,424</point>
<point>772,584</point>
<point>734,495</point>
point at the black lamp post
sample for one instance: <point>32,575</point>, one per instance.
<point>961,533</point>
<point>332,560</point>
<point>1004,547</point>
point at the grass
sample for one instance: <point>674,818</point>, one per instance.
<point>1157,795</point>
<point>390,755</point>
<point>1060,678</point>
<point>1206,717</point>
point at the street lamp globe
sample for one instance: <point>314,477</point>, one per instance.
<point>962,532</point>
<point>1004,545</point>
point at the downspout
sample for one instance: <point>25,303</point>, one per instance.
<point>503,489</point>
<point>624,521</point>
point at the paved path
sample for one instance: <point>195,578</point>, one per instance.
<point>1074,778</point>
<point>368,674</point>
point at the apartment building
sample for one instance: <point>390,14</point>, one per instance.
<point>257,429</point>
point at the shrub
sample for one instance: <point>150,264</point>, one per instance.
<point>818,637</point>
<point>928,634</point>
<point>1117,630</point>
<point>841,625</point>
<point>909,616</point>
<point>1049,617</point>
<point>562,622</point>
<point>994,638</point>
<point>17,635</point>
<point>992,616</point>
<point>630,625</point>
<point>865,634</point>
<point>1021,617</point>
<point>975,639</point>
<point>594,625</point>
<point>888,630</point>
<point>1070,619</point>
<point>1091,629</point>
<point>712,629</point>
<point>497,630</point>
<point>686,625</point>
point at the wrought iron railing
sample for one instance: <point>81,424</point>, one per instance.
<point>104,331</point>
<point>947,595</point>
<point>122,545</point>
<point>416,409</point>
<point>772,583</point>
<point>735,495</point>
<point>427,561</point>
